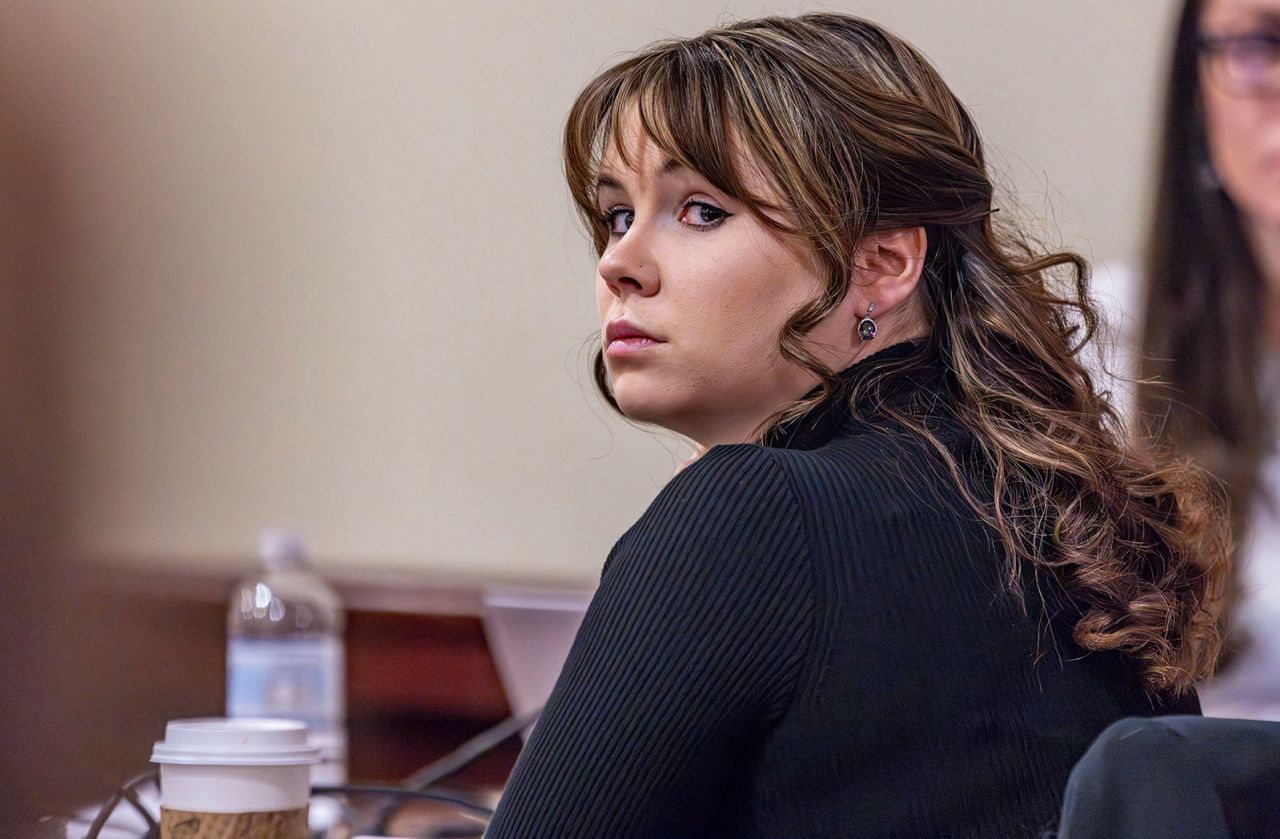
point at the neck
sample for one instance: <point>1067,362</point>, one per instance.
<point>717,430</point>
<point>725,431</point>
<point>1264,242</point>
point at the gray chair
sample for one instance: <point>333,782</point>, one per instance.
<point>1176,777</point>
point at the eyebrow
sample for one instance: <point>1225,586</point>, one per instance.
<point>1261,16</point>
<point>669,166</point>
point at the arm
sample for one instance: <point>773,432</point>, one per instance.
<point>687,654</point>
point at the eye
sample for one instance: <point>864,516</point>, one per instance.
<point>1254,53</point>
<point>618,220</point>
<point>702,214</point>
<point>1248,63</point>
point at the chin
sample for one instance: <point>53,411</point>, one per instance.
<point>643,402</point>
<point>639,409</point>
<point>1271,215</point>
<point>1258,207</point>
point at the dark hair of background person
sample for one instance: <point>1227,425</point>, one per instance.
<point>855,131</point>
<point>1202,329</point>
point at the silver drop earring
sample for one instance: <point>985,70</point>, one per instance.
<point>866,326</point>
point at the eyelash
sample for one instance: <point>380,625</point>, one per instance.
<point>607,217</point>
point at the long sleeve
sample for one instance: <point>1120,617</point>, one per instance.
<point>689,652</point>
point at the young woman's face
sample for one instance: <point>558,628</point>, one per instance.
<point>1240,86</point>
<point>693,292</point>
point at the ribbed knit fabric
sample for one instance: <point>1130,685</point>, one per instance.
<point>813,639</point>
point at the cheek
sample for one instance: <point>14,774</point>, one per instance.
<point>1231,128</point>
<point>769,284</point>
<point>743,308</point>
<point>1244,140</point>
<point>740,316</point>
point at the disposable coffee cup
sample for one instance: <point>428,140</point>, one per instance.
<point>246,777</point>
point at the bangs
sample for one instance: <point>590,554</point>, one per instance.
<point>685,98</point>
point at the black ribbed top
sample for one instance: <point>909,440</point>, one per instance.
<point>812,639</point>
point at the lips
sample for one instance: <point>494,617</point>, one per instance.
<point>623,338</point>
<point>622,330</point>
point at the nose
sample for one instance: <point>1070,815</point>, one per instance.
<point>628,267</point>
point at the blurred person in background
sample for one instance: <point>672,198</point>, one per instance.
<point>918,567</point>
<point>1210,335</point>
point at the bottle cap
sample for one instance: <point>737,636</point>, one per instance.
<point>281,550</point>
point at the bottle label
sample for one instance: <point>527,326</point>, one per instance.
<point>296,678</point>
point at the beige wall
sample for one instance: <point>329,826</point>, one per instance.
<point>316,265</point>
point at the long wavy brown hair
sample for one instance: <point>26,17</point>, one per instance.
<point>856,132</point>
<point>1202,337</point>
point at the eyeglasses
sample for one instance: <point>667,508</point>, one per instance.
<point>1243,65</point>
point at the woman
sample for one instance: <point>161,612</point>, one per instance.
<point>1211,329</point>
<point>915,572</point>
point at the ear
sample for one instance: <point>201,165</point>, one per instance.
<point>887,266</point>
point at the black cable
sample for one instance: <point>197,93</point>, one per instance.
<point>132,797</point>
<point>108,807</point>
<point>436,771</point>
<point>124,791</point>
<point>401,793</point>
<point>471,830</point>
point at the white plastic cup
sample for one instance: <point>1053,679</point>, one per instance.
<point>235,766</point>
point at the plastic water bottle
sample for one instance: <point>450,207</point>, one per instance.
<point>285,651</point>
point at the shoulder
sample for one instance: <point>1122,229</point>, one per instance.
<point>733,507</point>
<point>867,475</point>
<point>873,468</point>
<point>720,553</point>
<point>729,485</point>
<point>877,502</point>
<point>743,473</point>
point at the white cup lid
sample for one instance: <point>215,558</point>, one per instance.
<point>245,741</point>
